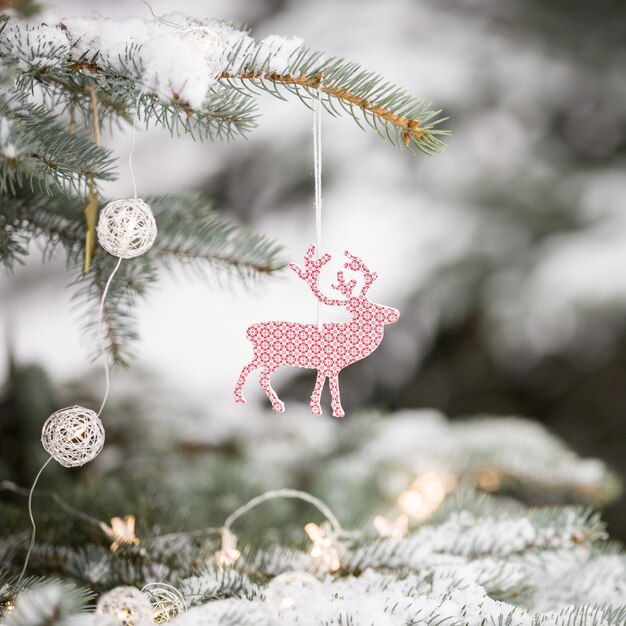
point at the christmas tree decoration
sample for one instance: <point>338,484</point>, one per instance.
<point>327,348</point>
<point>122,532</point>
<point>127,605</point>
<point>208,42</point>
<point>392,528</point>
<point>284,591</point>
<point>442,553</point>
<point>228,554</point>
<point>325,550</point>
<point>425,494</point>
<point>197,77</point>
<point>73,436</point>
<point>166,600</point>
<point>126,228</point>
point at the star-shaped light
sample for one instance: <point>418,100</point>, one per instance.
<point>122,532</point>
<point>324,550</point>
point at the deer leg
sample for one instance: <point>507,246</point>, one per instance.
<point>277,405</point>
<point>334,394</point>
<point>316,408</point>
<point>239,399</point>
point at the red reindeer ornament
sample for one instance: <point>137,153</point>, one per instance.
<point>327,348</point>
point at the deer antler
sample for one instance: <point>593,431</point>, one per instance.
<point>311,272</point>
<point>356,265</point>
<point>343,287</point>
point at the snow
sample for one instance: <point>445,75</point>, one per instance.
<point>275,53</point>
<point>586,578</point>
<point>39,605</point>
<point>7,147</point>
<point>39,46</point>
<point>410,443</point>
<point>240,612</point>
<point>571,273</point>
<point>174,63</point>
<point>380,599</point>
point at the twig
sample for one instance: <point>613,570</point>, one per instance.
<point>411,128</point>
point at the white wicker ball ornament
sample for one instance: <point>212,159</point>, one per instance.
<point>208,42</point>
<point>126,228</point>
<point>73,436</point>
<point>128,605</point>
<point>166,600</point>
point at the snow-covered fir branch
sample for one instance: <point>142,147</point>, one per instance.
<point>477,560</point>
<point>65,82</point>
<point>193,75</point>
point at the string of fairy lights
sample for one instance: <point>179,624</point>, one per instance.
<point>159,602</point>
<point>75,435</point>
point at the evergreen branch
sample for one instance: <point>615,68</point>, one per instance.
<point>192,234</point>
<point>55,219</point>
<point>223,116</point>
<point>585,615</point>
<point>227,108</point>
<point>465,535</point>
<point>405,119</point>
<point>50,604</point>
<point>13,239</point>
<point>120,87</point>
<point>131,282</point>
<point>211,583</point>
<point>47,154</point>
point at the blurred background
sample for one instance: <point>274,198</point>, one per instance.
<point>504,254</point>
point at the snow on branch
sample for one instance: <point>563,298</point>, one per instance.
<point>468,536</point>
<point>205,71</point>
<point>493,453</point>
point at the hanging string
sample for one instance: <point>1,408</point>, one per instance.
<point>130,159</point>
<point>32,521</point>
<point>103,351</point>
<point>274,494</point>
<point>9,485</point>
<point>107,373</point>
<point>317,174</point>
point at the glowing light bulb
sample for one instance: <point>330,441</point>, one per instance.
<point>324,550</point>
<point>287,603</point>
<point>229,554</point>
<point>122,532</point>
<point>426,494</point>
<point>433,487</point>
<point>411,502</point>
<point>78,435</point>
<point>489,479</point>
<point>394,529</point>
<point>9,607</point>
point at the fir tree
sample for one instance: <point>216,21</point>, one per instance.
<point>65,84</point>
<point>444,553</point>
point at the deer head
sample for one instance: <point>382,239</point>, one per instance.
<point>359,304</point>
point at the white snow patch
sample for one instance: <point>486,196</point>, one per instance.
<point>7,147</point>
<point>275,53</point>
<point>36,46</point>
<point>174,63</point>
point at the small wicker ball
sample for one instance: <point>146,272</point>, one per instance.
<point>127,605</point>
<point>167,602</point>
<point>73,436</point>
<point>126,228</point>
<point>208,42</point>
